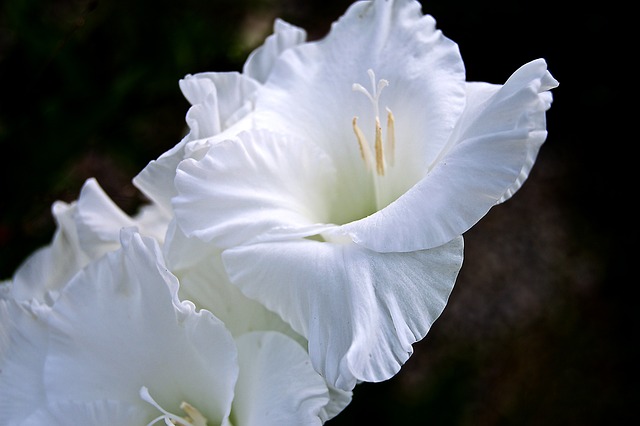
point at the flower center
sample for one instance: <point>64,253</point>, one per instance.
<point>193,416</point>
<point>384,150</point>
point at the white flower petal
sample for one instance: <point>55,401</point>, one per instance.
<point>339,399</point>
<point>23,348</point>
<point>155,181</point>
<point>536,74</point>
<point>277,384</point>
<point>118,326</point>
<point>220,101</point>
<point>360,310</point>
<point>206,284</point>
<point>50,267</point>
<point>490,154</point>
<point>182,252</point>
<point>260,62</point>
<point>99,220</point>
<point>223,98</point>
<point>94,413</point>
<point>153,221</point>
<point>250,185</point>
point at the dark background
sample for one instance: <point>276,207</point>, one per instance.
<point>541,327</point>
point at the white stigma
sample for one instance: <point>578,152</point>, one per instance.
<point>382,153</point>
<point>193,418</point>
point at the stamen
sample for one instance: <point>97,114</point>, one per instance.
<point>193,418</point>
<point>193,415</point>
<point>365,151</point>
<point>391,138</point>
<point>379,151</point>
<point>389,146</point>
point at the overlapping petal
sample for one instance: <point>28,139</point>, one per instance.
<point>275,372</point>
<point>260,62</point>
<point>253,184</point>
<point>205,282</point>
<point>94,413</point>
<point>46,270</point>
<point>360,310</point>
<point>220,101</point>
<point>23,348</point>
<point>85,229</point>
<point>146,338</point>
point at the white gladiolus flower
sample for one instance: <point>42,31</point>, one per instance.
<point>340,197</point>
<point>118,347</point>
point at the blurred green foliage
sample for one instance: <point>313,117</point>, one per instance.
<point>539,329</point>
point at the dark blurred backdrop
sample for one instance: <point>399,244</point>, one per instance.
<point>541,327</point>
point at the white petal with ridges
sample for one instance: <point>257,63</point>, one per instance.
<point>119,326</point>
<point>50,267</point>
<point>23,349</point>
<point>360,310</point>
<point>99,220</point>
<point>255,183</point>
<point>219,101</point>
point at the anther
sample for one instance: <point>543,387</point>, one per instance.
<point>390,147</point>
<point>379,150</point>
<point>365,151</point>
<point>193,418</point>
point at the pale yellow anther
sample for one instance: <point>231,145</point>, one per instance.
<point>379,150</point>
<point>365,151</point>
<point>391,138</point>
<point>193,415</point>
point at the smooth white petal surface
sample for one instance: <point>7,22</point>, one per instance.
<point>256,183</point>
<point>222,97</point>
<point>360,310</point>
<point>152,220</point>
<point>206,284</point>
<point>155,181</point>
<point>542,81</point>
<point>277,384</point>
<point>50,267</point>
<point>95,413</point>
<point>23,348</point>
<point>489,155</point>
<point>260,62</point>
<point>99,220</point>
<point>119,326</point>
